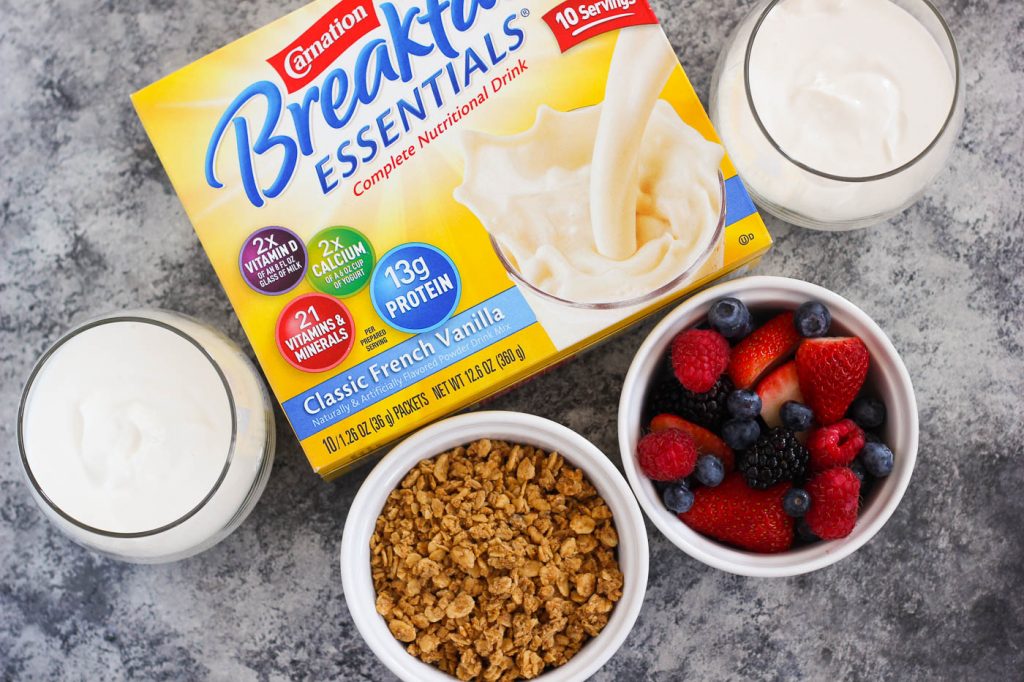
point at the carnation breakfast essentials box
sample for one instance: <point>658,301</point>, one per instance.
<point>415,204</point>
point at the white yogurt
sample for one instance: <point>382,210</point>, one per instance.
<point>147,436</point>
<point>848,88</point>
<point>607,203</point>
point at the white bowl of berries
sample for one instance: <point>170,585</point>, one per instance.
<point>768,427</point>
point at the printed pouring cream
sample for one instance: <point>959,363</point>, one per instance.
<point>591,207</point>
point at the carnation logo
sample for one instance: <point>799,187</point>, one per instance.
<point>323,42</point>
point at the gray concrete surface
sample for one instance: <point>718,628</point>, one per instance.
<point>88,222</point>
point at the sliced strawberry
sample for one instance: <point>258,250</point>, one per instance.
<point>763,349</point>
<point>707,442</point>
<point>831,372</point>
<point>735,513</point>
<point>777,388</point>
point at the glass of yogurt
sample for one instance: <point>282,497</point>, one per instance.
<point>838,113</point>
<point>146,435</point>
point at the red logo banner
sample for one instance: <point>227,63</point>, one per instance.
<point>321,44</point>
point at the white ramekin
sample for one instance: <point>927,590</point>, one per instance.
<point>888,380</point>
<point>517,428</point>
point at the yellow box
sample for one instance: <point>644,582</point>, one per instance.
<point>415,204</point>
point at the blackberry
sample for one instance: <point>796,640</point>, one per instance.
<point>776,456</point>
<point>706,409</point>
<point>667,395</point>
<point>664,395</point>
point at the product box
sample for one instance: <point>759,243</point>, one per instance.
<point>415,204</point>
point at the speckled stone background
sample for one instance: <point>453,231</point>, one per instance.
<point>88,222</point>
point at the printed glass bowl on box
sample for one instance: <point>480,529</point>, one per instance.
<point>838,114</point>
<point>712,244</point>
<point>769,298</point>
<point>511,427</point>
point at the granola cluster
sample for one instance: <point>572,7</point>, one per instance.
<point>495,561</point>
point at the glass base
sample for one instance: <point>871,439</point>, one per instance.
<point>810,223</point>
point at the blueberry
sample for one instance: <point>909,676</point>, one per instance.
<point>869,413</point>
<point>804,532</point>
<point>796,502</point>
<point>729,317</point>
<point>877,459</point>
<point>710,470</point>
<point>744,404</point>
<point>812,319</point>
<point>740,434</point>
<point>796,416</point>
<point>677,498</point>
<point>857,467</point>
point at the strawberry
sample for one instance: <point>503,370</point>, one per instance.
<point>834,445</point>
<point>835,494</point>
<point>762,350</point>
<point>666,455</point>
<point>707,443</point>
<point>775,389</point>
<point>735,513</point>
<point>831,371</point>
<point>699,356</point>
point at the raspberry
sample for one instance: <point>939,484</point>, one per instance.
<point>776,456</point>
<point>667,455</point>
<point>835,494</point>
<point>699,357</point>
<point>834,445</point>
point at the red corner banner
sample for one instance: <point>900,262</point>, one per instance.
<point>321,44</point>
<point>575,21</point>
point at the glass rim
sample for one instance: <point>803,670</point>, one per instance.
<point>41,362</point>
<point>950,115</point>
<point>517,277</point>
